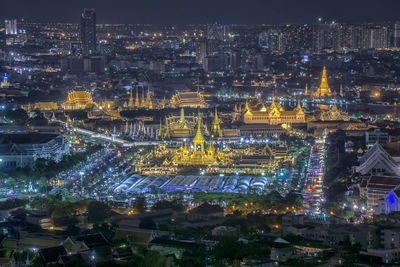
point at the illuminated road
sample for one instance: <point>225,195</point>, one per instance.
<point>313,193</point>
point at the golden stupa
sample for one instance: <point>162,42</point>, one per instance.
<point>323,90</point>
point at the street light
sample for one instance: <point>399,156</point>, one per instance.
<point>81,173</point>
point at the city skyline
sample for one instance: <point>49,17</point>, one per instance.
<point>258,133</point>
<point>184,12</point>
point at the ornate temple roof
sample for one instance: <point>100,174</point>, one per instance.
<point>377,156</point>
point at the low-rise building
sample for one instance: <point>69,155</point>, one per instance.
<point>22,150</point>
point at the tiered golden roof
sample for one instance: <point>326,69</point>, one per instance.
<point>46,106</point>
<point>188,99</point>
<point>78,100</point>
<point>273,114</point>
<point>333,114</point>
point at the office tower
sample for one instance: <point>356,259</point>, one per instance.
<point>272,39</point>
<point>235,60</point>
<point>379,37</point>
<point>11,27</point>
<point>397,34</point>
<point>2,39</point>
<point>203,49</point>
<point>211,63</point>
<point>263,38</point>
<point>88,31</point>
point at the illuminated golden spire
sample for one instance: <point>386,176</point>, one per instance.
<point>306,90</point>
<point>130,100</point>
<point>273,104</point>
<point>182,120</point>
<point>248,111</point>
<point>211,150</point>
<point>334,107</point>
<point>167,134</point>
<point>216,129</point>
<point>199,138</point>
<point>149,103</point>
<point>185,149</point>
<point>137,100</point>
<point>323,89</point>
<point>299,109</point>
<point>143,103</point>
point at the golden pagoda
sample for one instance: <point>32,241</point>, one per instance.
<point>182,122</point>
<point>298,109</point>
<point>143,102</point>
<point>137,100</point>
<point>216,128</point>
<point>130,104</point>
<point>148,103</point>
<point>198,139</point>
<point>163,103</point>
<point>323,90</point>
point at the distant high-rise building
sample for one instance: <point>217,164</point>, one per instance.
<point>203,49</point>
<point>216,32</point>
<point>379,37</point>
<point>397,34</point>
<point>88,31</point>
<point>11,27</point>
<point>211,63</point>
<point>234,60</point>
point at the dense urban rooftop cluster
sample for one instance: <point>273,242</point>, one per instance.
<point>199,145</point>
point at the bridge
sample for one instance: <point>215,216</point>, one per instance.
<point>113,139</point>
<point>125,143</point>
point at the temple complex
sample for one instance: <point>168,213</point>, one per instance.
<point>78,100</point>
<point>273,114</point>
<point>144,102</point>
<point>323,90</point>
<point>182,126</point>
<point>188,99</point>
<point>196,155</point>
<point>330,114</point>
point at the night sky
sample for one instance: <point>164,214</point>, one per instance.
<point>204,11</point>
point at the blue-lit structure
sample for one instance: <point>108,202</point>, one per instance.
<point>392,201</point>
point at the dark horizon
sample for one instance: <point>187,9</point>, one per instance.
<point>206,11</point>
